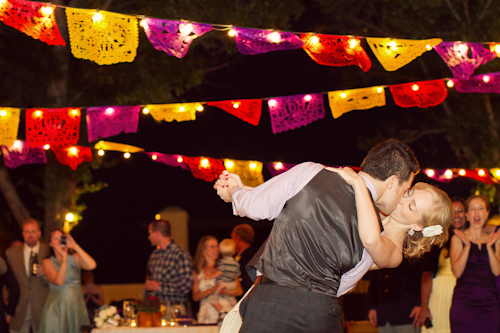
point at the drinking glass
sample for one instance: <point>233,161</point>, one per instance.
<point>128,312</point>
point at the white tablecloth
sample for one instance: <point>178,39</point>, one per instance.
<point>181,329</point>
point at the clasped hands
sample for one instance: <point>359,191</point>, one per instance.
<point>226,182</point>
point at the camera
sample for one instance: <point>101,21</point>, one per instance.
<point>63,240</point>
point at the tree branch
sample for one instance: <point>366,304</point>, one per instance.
<point>480,18</point>
<point>453,11</point>
<point>466,11</point>
<point>10,194</point>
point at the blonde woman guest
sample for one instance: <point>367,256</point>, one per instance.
<point>64,309</point>
<point>204,281</point>
<point>438,280</point>
<point>475,261</point>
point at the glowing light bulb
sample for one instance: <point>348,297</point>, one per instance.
<point>3,113</point>
<point>343,95</point>
<point>70,217</point>
<point>253,166</point>
<point>274,37</point>
<point>18,144</point>
<point>145,110</point>
<point>497,172</point>
<point>143,23</point>
<point>380,89</point>
<point>180,159</point>
<point>393,45</point>
<point>463,48</point>
<point>497,49</point>
<point>97,17</point>
<point>199,108</point>
<point>204,163</point>
<point>461,172</point>
<point>231,33</point>
<point>229,164</point>
<point>47,10</point>
<point>278,165</point>
<point>353,42</point>
<point>154,157</point>
<point>46,146</point>
<point>481,172</point>
<point>430,173</point>
<point>37,114</point>
<point>415,87</point>
<point>428,47</point>
<point>236,105</point>
<point>314,39</point>
<point>182,109</point>
<point>448,174</point>
<point>486,78</point>
<point>100,152</point>
<point>74,112</point>
<point>450,83</point>
<point>273,103</point>
<point>73,150</point>
<point>185,29</point>
<point>157,217</point>
<point>109,111</point>
<point>126,155</point>
<point>307,98</point>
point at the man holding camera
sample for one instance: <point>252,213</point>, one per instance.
<point>25,261</point>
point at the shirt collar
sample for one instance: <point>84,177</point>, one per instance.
<point>370,187</point>
<point>35,248</point>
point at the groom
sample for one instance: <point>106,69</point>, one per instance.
<point>314,239</point>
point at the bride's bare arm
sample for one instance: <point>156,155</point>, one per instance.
<point>382,250</point>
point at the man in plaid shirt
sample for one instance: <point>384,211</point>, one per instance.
<point>170,270</point>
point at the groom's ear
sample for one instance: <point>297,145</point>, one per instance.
<point>392,182</point>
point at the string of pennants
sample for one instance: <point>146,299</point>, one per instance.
<point>205,168</point>
<point>109,38</point>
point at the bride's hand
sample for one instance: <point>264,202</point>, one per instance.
<point>348,174</point>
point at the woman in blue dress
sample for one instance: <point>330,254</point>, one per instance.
<point>64,309</point>
<point>475,261</point>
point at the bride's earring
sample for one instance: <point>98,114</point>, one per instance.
<point>411,232</point>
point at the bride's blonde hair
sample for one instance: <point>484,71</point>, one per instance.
<point>441,213</point>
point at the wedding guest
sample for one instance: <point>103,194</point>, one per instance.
<point>7,280</point>
<point>33,288</point>
<point>438,280</point>
<point>242,236</point>
<point>475,261</point>
<point>169,267</point>
<point>92,293</point>
<point>65,310</point>
<point>204,282</point>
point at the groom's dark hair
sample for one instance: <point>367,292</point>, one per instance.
<point>391,157</point>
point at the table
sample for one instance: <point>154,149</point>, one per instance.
<point>179,329</point>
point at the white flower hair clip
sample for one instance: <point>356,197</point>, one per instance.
<point>432,230</point>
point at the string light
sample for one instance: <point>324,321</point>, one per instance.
<point>154,157</point>
<point>273,102</point>
<point>199,108</point>
<point>109,111</point>
<point>497,49</point>
<point>180,159</point>
<point>145,110</point>
<point>231,32</point>
<point>307,98</point>
<point>486,78</point>
<point>37,114</point>
<point>3,113</point>
<point>73,151</point>
<point>461,172</point>
<point>481,172</point>
<point>143,23</point>
<point>18,144</point>
<point>126,155</point>
<point>185,29</point>
<point>46,146</point>
<point>380,89</point>
<point>253,166</point>
<point>74,112</point>
<point>448,174</point>
<point>343,95</point>
<point>236,105</point>
<point>204,163</point>
<point>47,10</point>
<point>97,17</point>
<point>463,48</point>
<point>229,164</point>
<point>100,152</point>
<point>182,109</point>
<point>497,172</point>
<point>428,47</point>
<point>430,173</point>
<point>353,42</point>
<point>157,217</point>
<point>70,217</point>
<point>393,45</point>
<point>450,83</point>
<point>278,166</point>
<point>415,87</point>
<point>274,37</point>
<point>314,39</point>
